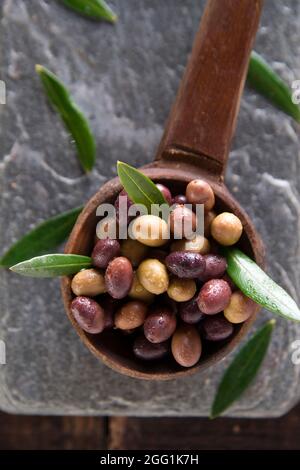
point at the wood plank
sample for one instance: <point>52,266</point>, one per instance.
<point>200,434</point>
<point>44,432</point>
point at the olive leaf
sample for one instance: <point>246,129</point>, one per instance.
<point>94,9</point>
<point>52,265</point>
<point>139,187</point>
<point>264,80</point>
<point>42,238</point>
<point>257,285</point>
<point>242,370</point>
<point>72,116</point>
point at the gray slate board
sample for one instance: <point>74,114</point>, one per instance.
<point>125,78</point>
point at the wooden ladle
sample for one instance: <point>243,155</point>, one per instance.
<point>195,144</point>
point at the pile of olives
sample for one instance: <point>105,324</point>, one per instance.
<point>170,295</point>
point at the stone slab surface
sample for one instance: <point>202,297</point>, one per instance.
<point>125,77</point>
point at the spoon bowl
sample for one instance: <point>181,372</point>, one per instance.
<point>195,144</point>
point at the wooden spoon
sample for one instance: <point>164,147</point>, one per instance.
<point>195,143</point>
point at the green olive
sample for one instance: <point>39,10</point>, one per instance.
<point>226,228</point>
<point>131,315</point>
<point>134,251</point>
<point>89,282</point>
<point>181,290</point>
<point>139,292</point>
<point>208,218</point>
<point>238,309</point>
<point>150,230</point>
<point>153,276</point>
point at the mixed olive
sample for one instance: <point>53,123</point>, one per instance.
<point>170,292</point>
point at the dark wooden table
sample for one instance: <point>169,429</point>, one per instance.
<point>36,432</point>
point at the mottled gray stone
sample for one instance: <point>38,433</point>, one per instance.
<point>125,77</point>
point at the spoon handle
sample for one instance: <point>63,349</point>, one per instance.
<point>202,121</point>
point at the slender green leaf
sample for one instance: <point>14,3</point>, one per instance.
<point>263,79</point>
<point>94,9</point>
<point>43,238</point>
<point>257,285</point>
<point>139,187</point>
<point>52,265</point>
<point>72,116</point>
<point>242,370</point>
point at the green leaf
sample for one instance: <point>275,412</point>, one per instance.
<point>94,9</point>
<point>139,187</point>
<point>257,285</point>
<point>72,116</point>
<point>242,370</point>
<point>52,265</point>
<point>263,79</point>
<point>42,238</point>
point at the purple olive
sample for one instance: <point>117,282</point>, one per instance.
<point>215,267</point>
<point>119,277</point>
<point>200,192</point>
<point>189,311</point>
<point>179,199</point>
<point>109,306</point>
<point>147,351</point>
<point>216,328</point>
<point>164,301</point>
<point>159,325</point>
<point>185,264</point>
<point>228,279</point>
<point>104,251</point>
<point>88,314</point>
<point>214,296</point>
<point>165,192</point>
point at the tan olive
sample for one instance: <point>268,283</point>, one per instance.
<point>208,218</point>
<point>198,244</point>
<point>88,282</point>
<point>134,251</point>
<point>226,228</point>
<point>150,230</point>
<point>238,309</point>
<point>186,345</point>
<point>139,292</point>
<point>200,192</point>
<point>181,290</point>
<point>131,315</point>
<point>153,276</point>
